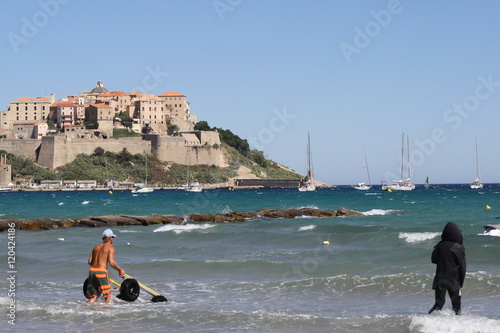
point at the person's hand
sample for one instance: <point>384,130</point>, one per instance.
<point>122,273</point>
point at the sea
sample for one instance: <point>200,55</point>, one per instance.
<point>370,273</point>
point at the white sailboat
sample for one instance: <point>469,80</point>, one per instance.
<point>407,184</point>
<point>476,184</point>
<point>191,185</point>
<point>362,185</point>
<point>143,188</point>
<point>307,184</point>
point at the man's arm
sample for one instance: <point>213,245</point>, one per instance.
<point>112,262</point>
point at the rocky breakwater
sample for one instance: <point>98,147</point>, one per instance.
<point>123,220</point>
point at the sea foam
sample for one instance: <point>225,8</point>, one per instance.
<point>381,212</point>
<point>307,227</point>
<point>183,228</point>
<point>447,321</point>
<point>417,237</point>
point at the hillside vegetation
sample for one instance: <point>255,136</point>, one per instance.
<point>123,166</point>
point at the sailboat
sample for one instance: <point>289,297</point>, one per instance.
<point>362,185</point>
<point>427,185</point>
<point>476,184</point>
<point>143,188</point>
<point>307,184</point>
<point>191,185</point>
<point>407,184</point>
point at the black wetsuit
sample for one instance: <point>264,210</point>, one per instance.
<point>449,256</point>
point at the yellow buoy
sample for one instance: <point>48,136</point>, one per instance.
<point>488,207</point>
<point>326,243</point>
<point>110,192</point>
<point>389,190</point>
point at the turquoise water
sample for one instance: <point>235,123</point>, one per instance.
<point>259,276</point>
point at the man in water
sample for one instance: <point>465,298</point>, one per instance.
<point>449,256</point>
<point>102,255</point>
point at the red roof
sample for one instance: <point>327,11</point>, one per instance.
<point>113,93</point>
<point>31,98</point>
<point>172,94</point>
<point>100,106</point>
<point>64,103</point>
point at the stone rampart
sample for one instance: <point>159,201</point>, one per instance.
<point>56,151</point>
<point>25,147</point>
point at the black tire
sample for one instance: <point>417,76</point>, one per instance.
<point>159,298</point>
<point>129,290</point>
<point>85,285</point>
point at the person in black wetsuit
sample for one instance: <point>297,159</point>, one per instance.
<point>449,256</point>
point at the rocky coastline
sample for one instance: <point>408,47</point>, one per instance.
<point>124,220</point>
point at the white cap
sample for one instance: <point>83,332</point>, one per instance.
<point>108,233</point>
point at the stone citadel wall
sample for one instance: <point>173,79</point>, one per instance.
<point>55,151</point>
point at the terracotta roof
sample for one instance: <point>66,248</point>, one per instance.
<point>101,106</point>
<point>31,98</point>
<point>172,94</point>
<point>113,93</point>
<point>65,103</point>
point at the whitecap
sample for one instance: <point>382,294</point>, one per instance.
<point>184,227</point>
<point>380,212</point>
<point>417,237</point>
<point>61,203</point>
<point>310,206</point>
<point>307,227</point>
<point>447,321</point>
<point>86,202</point>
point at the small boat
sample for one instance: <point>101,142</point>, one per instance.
<point>5,189</point>
<point>492,229</point>
<point>362,185</point>
<point>476,184</point>
<point>307,184</point>
<point>193,186</point>
<point>140,188</point>
<point>407,184</point>
<point>143,188</point>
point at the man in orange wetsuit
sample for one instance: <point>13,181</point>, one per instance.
<point>102,255</point>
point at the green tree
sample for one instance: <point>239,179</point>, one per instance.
<point>202,126</point>
<point>173,129</point>
<point>99,151</point>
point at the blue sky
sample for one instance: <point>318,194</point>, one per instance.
<point>354,74</point>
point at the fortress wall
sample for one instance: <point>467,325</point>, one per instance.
<point>175,150</point>
<point>25,147</point>
<point>58,151</point>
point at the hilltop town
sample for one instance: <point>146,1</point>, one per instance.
<point>53,132</point>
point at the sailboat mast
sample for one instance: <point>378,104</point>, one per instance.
<point>402,155</point>
<point>309,161</point>
<point>366,168</point>
<point>408,152</point>
<point>477,163</point>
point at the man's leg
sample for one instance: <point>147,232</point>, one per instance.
<point>440,299</point>
<point>456,300</point>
